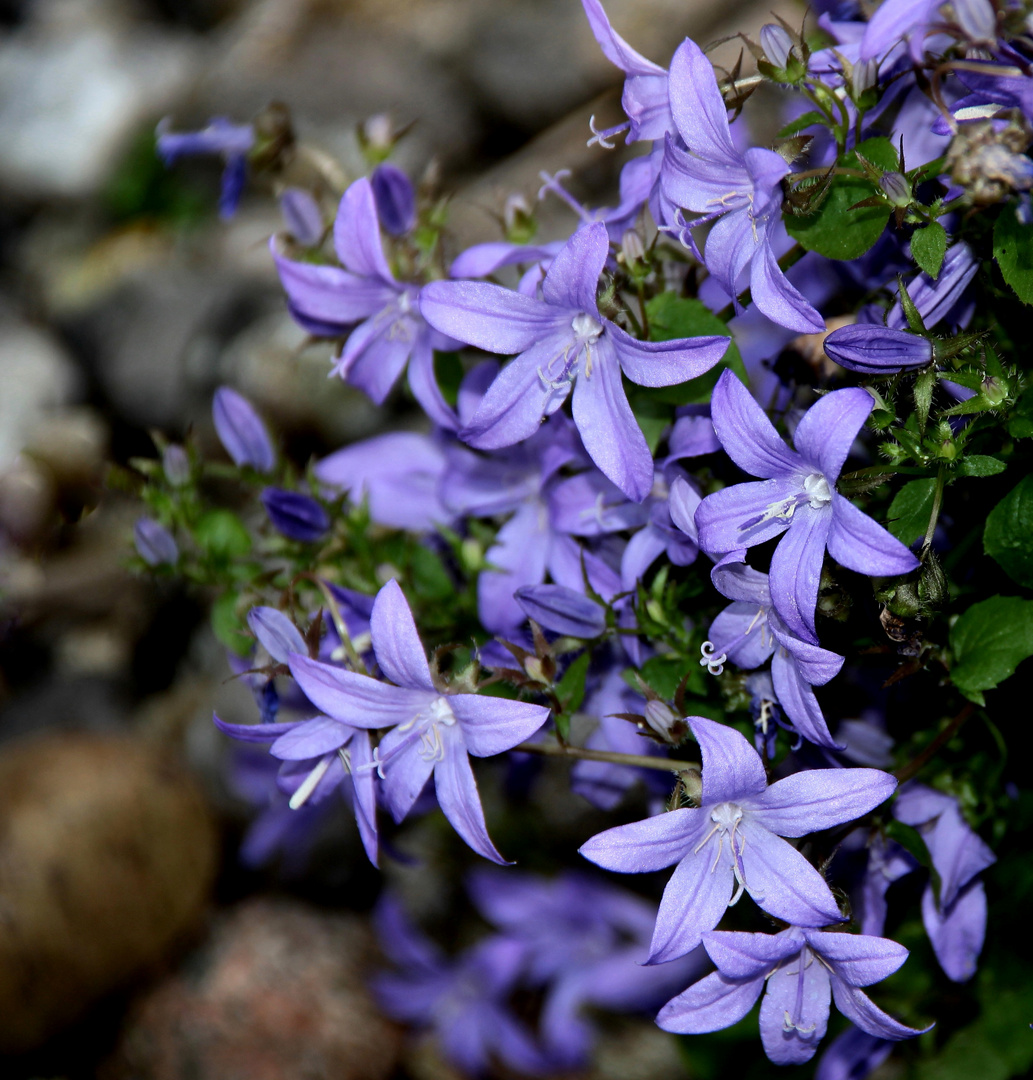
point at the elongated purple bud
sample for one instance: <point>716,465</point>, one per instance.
<point>896,188</point>
<point>395,199</point>
<point>877,350</point>
<point>776,43</point>
<point>154,543</point>
<point>562,610</point>
<point>241,431</point>
<point>297,516</point>
<point>302,215</point>
<point>276,633</point>
<point>176,465</point>
<point>221,136</point>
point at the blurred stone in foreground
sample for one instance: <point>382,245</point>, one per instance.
<point>107,855</point>
<point>279,991</point>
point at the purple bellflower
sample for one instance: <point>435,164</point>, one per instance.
<point>232,141</point>
<point>798,498</point>
<point>802,969</point>
<point>241,431</point>
<point>584,940</point>
<point>302,216</point>
<point>740,193</point>
<point>399,473</point>
<point>645,98</point>
<point>330,301</point>
<point>154,543</point>
<point>738,806</point>
<point>955,920</point>
<point>852,1055</point>
<point>749,631</point>
<point>563,343</point>
<point>433,730</point>
<point>463,1000</point>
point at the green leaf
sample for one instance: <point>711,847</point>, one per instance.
<point>663,674</point>
<point>228,626</point>
<point>910,510</point>
<point>1020,422</point>
<point>431,581</point>
<point>671,317</point>
<point>448,370</point>
<point>1008,536</point>
<point>571,688</point>
<point>222,534</point>
<point>836,230</point>
<point>1013,250</point>
<point>924,397</point>
<point>794,127</point>
<point>928,247</point>
<point>996,1046</point>
<point>989,641</point>
<point>980,465</point>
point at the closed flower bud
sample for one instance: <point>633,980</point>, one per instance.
<point>665,721</point>
<point>154,543</point>
<point>562,610</point>
<point>896,188</point>
<point>276,633</point>
<point>297,516</point>
<point>302,216</point>
<point>776,43</point>
<point>395,199</point>
<point>176,465</point>
<point>241,431</point>
<point>632,247</point>
<point>877,350</point>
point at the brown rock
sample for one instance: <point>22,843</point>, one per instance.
<point>279,991</point>
<point>107,855</point>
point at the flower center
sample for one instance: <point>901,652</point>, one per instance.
<point>586,328</point>
<point>727,817</point>
<point>818,490</point>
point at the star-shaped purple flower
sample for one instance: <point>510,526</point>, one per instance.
<point>328,301</point>
<point>564,343</point>
<point>802,969</point>
<point>739,808</point>
<point>798,498</point>
<point>742,191</point>
<point>433,730</point>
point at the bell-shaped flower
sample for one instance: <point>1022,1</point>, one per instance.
<point>464,1000</point>
<point>749,631</point>
<point>877,350</point>
<point>232,142</point>
<point>645,88</point>
<point>564,343</point>
<point>320,756</point>
<point>733,840</point>
<point>433,730</point>
<point>803,970</point>
<point>955,918</point>
<point>798,498</point>
<point>740,192</point>
<point>154,543</point>
<point>389,331</point>
<point>241,431</point>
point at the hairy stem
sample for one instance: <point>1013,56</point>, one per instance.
<point>638,761</point>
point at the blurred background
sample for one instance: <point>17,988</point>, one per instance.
<point>124,302</point>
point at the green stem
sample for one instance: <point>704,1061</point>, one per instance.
<point>638,761</point>
<point>941,477</point>
<point>913,767</point>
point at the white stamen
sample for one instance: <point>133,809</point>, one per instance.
<point>598,136</point>
<point>309,784</point>
<point>714,664</point>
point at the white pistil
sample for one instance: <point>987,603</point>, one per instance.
<point>309,784</point>
<point>817,490</point>
<point>714,664</point>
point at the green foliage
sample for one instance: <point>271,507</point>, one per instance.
<point>910,510</point>
<point>448,370</point>
<point>928,247</point>
<point>571,692</point>
<point>223,536</point>
<point>989,641</point>
<point>672,316</point>
<point>980,465</point>
<point>1008,536</point>
<point>1013,250</point>
<point>229,627</point>
<point>142,188</point>
<point>839,228</point>
<point>1020,423</point>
